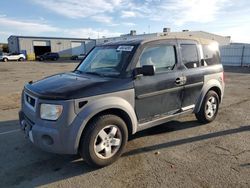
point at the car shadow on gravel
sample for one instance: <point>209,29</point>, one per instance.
<point>47,168</point>
<point>38,167</point>
<point>187,140</point>
<point>44,172</point>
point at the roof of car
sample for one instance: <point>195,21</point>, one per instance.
<point>142,41</point>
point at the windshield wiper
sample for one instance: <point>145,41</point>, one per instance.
<point>79,71</point>
<point>94,73</point>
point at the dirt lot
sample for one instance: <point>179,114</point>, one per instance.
<point>180,153</point>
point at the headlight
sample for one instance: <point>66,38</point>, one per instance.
<point>50,111</point>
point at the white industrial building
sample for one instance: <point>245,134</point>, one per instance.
<point>34,46</point>
<point>222,40</point>
<point>66,47</point>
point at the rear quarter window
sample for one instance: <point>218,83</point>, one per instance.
<point>190,57</point>
<point>211,55</point>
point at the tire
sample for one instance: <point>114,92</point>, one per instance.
<point>21,59</point>
<point>209,108</point>
<point>5,59</point>
<point>41,59</point>
<point>104,140</point>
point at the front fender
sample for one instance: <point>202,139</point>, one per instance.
<point>98,105</point>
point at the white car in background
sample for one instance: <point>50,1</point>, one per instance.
<point>78,57</point>
<point>12,57</point>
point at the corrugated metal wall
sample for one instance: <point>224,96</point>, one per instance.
<point>235,54</point>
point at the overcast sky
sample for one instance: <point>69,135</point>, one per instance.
<point>97,18</point>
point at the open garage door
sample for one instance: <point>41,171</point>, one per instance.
<point>41,47</point>
<point>78,48</point>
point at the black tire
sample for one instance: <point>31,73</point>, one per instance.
<point>21,59</point>
<point>41,59</point>
<point>91,138</point>
<point>5,59</point>
<point>207,114</point>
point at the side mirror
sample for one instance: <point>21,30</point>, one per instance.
<point>146,70</point>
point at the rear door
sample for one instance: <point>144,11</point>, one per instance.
<point>193,73</point>
<point>159,94</point>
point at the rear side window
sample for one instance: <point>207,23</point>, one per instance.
<point>161,56</point>
<point>190,56</point>
<point>210,54</point>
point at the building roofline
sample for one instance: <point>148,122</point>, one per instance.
<point>36,37</point>
<point>171,37</point>
<point>158,38</point>
<point>214,34</point>
<point>171,33</point>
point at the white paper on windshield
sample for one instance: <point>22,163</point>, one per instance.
<point>125,48</point>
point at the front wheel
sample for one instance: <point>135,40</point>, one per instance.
<point>5,59</point>
<point>104,140</point>
<point>209,108</point>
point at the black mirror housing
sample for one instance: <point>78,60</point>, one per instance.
<point>145,70</point>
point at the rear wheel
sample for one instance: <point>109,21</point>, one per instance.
<point>5,59</point>
<point>21,59</point>
<point>104,140</point>
<point>209,108</point>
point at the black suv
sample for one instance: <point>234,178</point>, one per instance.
<point>121,88</point>
<point>48,56</point>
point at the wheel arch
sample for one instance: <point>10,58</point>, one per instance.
<point>112,105</point>
<point>210,85</point>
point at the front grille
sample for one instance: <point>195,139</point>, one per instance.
<point>30,101</point>
<point>31,123</point>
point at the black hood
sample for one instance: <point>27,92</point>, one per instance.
<point>73,85</point>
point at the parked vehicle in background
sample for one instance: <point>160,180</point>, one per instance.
<point>12,57</point>
<point>78,57</point>
<point>121,88</point>
<point>48,56</point>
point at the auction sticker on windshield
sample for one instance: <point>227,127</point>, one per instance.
<point>125,48</point>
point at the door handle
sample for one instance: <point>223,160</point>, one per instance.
<point>181,80</point>
<point>178,81</point>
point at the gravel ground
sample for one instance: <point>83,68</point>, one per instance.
<point>180,153</point>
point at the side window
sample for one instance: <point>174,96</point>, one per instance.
<point>190,56</point>
<point>161,56</point>
<point>211,55</point>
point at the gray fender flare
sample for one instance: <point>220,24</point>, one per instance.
<point>98,105</point>
<point>210,84</point>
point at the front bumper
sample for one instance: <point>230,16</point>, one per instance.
<point>53,136</point>
<point>43,137</point>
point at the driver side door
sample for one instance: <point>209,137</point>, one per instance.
<point>160,94</point>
